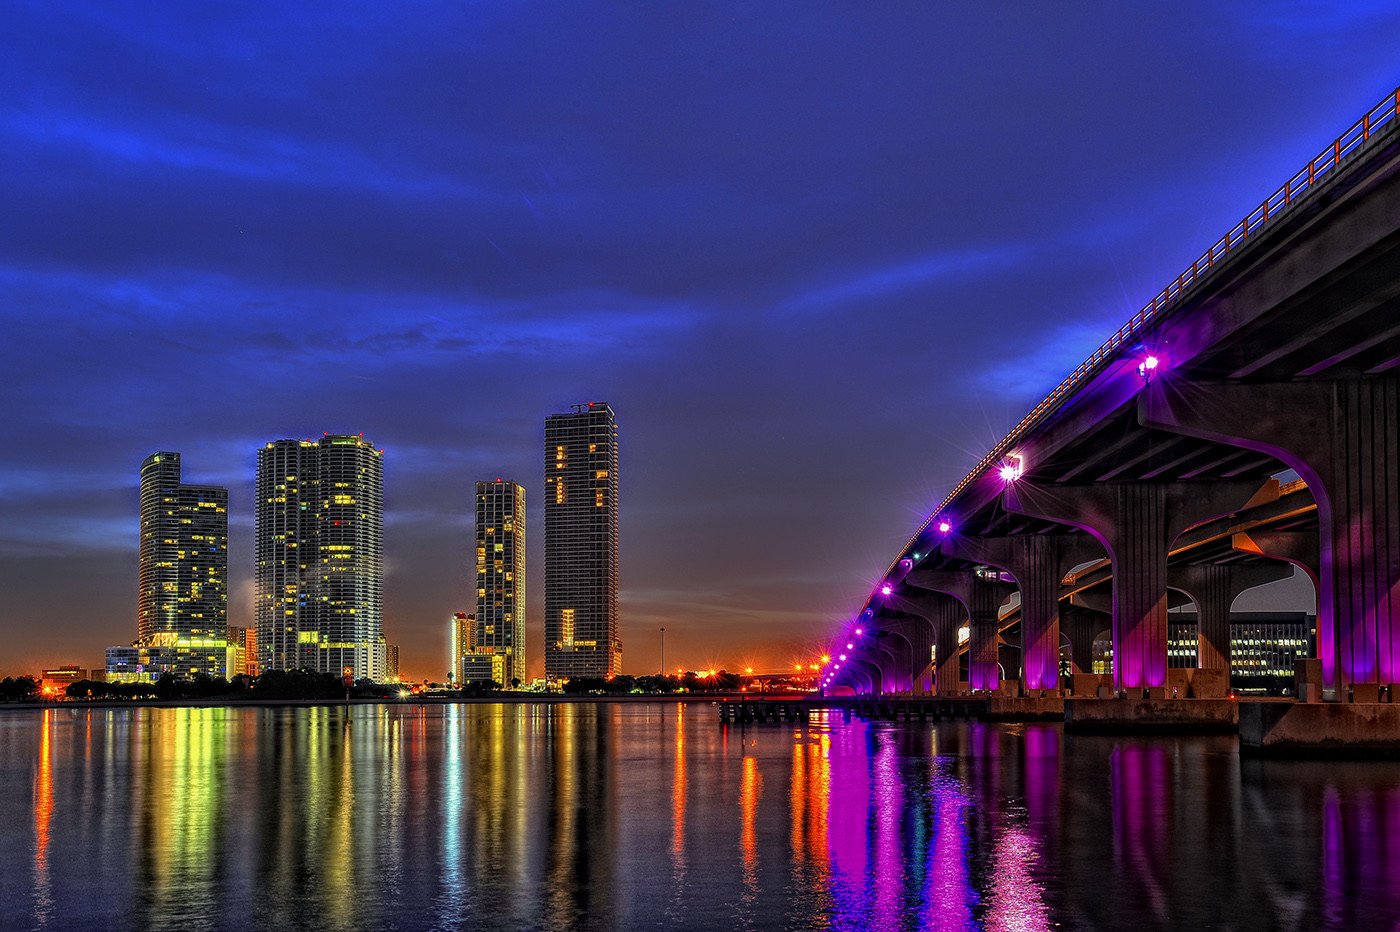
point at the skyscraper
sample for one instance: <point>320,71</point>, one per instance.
<point>500,574</point>
<point>461,636</point>
<point>581,543</point>
<point>320,577</point>
<point>182,588</point>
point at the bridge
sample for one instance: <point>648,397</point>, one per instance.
<point>1243,422</point>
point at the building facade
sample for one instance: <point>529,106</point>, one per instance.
<point>320,556</point>
<point>461,637</point>
<point>182,581</point>
<point>500,575</point>
<point>581,543</point>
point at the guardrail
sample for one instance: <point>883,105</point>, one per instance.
<point>1382,116</point>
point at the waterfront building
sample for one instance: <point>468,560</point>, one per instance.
<point>140,663</point>
<point>61,677</point>
<point>391,663</point>
<point>182,581</point>
<point>581,543</point>
<point>500,575</point>
<point>320,576</point>
<point>461,637</point>
<point>484,668</point>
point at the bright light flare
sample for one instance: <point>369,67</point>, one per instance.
<point>945,526</point>
<point>886,590</point>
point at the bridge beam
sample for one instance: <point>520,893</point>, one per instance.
<point>981,599</point>
<point>1039,563</point>
<point>1297,547</point>
<point>1343,438</point>
<point>1214,589</point>
<point>1136,522</point>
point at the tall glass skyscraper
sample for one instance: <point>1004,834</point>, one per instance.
<point>500,574</point>
<point>581,543</point>
<point>182,587</point>
<point>320,556</point>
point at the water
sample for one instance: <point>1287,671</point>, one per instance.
<point>639,816</point>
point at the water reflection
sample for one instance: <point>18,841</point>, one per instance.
<point>616,816</point>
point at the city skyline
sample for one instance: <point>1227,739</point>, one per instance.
<point>821,262</point>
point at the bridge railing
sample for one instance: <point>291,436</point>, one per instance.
<point>1382,117</point>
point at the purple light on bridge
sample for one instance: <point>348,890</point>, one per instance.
<point>1010,470</point>
<point>842,657</point>
<point>885,590</point>
<point>850,647</point>
<point>945,526</point>
<point>860,631</point>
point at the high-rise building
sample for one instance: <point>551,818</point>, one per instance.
<point>320,570</point>
<point>461,637</point>
<point>500,575</point>
<point>182,587</point>
<point>581,543</point>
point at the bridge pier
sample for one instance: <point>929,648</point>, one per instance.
<point>917,633</point>
<point>1343,438</point>
<point>945,616</point>
<point>1082,625</point>
<point>1039,563</point>
<point>1136,522</point>
<point>1214,589</point>
<point>981,598</point>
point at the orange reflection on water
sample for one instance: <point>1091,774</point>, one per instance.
<point>678,789</point>
<point>43,817</point>
<point>750,789</point>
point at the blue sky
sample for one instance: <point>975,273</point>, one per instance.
<point>818,259</point>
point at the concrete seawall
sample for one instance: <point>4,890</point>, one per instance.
<point>1366,729</point>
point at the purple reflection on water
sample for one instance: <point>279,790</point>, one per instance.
<point>1360,870</point>
<point>1016,900</point>
<point>888,905</point>
<point>1043,779</point>
<point>949,897</point>
<point>848,821</point>
<point>1139,777</point>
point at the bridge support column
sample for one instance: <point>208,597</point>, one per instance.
<point>897,662</point>
<point>1214,589</point>
<point>945,615</point>
<point>1343,438</point>
<point>981,598</point>
<point>866,670</point>
<point>917,633</point>
<point>1039,563</point>
<point>1136,522</point>
<point>1083,625</point>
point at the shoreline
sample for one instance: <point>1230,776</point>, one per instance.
<point>510,699</point>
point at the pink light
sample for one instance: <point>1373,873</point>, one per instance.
<point>1009,472</point>
<point>860,631</point>
<point>1150,363</point>
<point>842,657</point>
<point>885,590</point>
<point>850,647</point>
<point>944,527</point>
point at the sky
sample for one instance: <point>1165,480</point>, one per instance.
<point>818,257</point>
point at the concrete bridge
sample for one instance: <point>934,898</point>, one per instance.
<point>1244,422</point>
